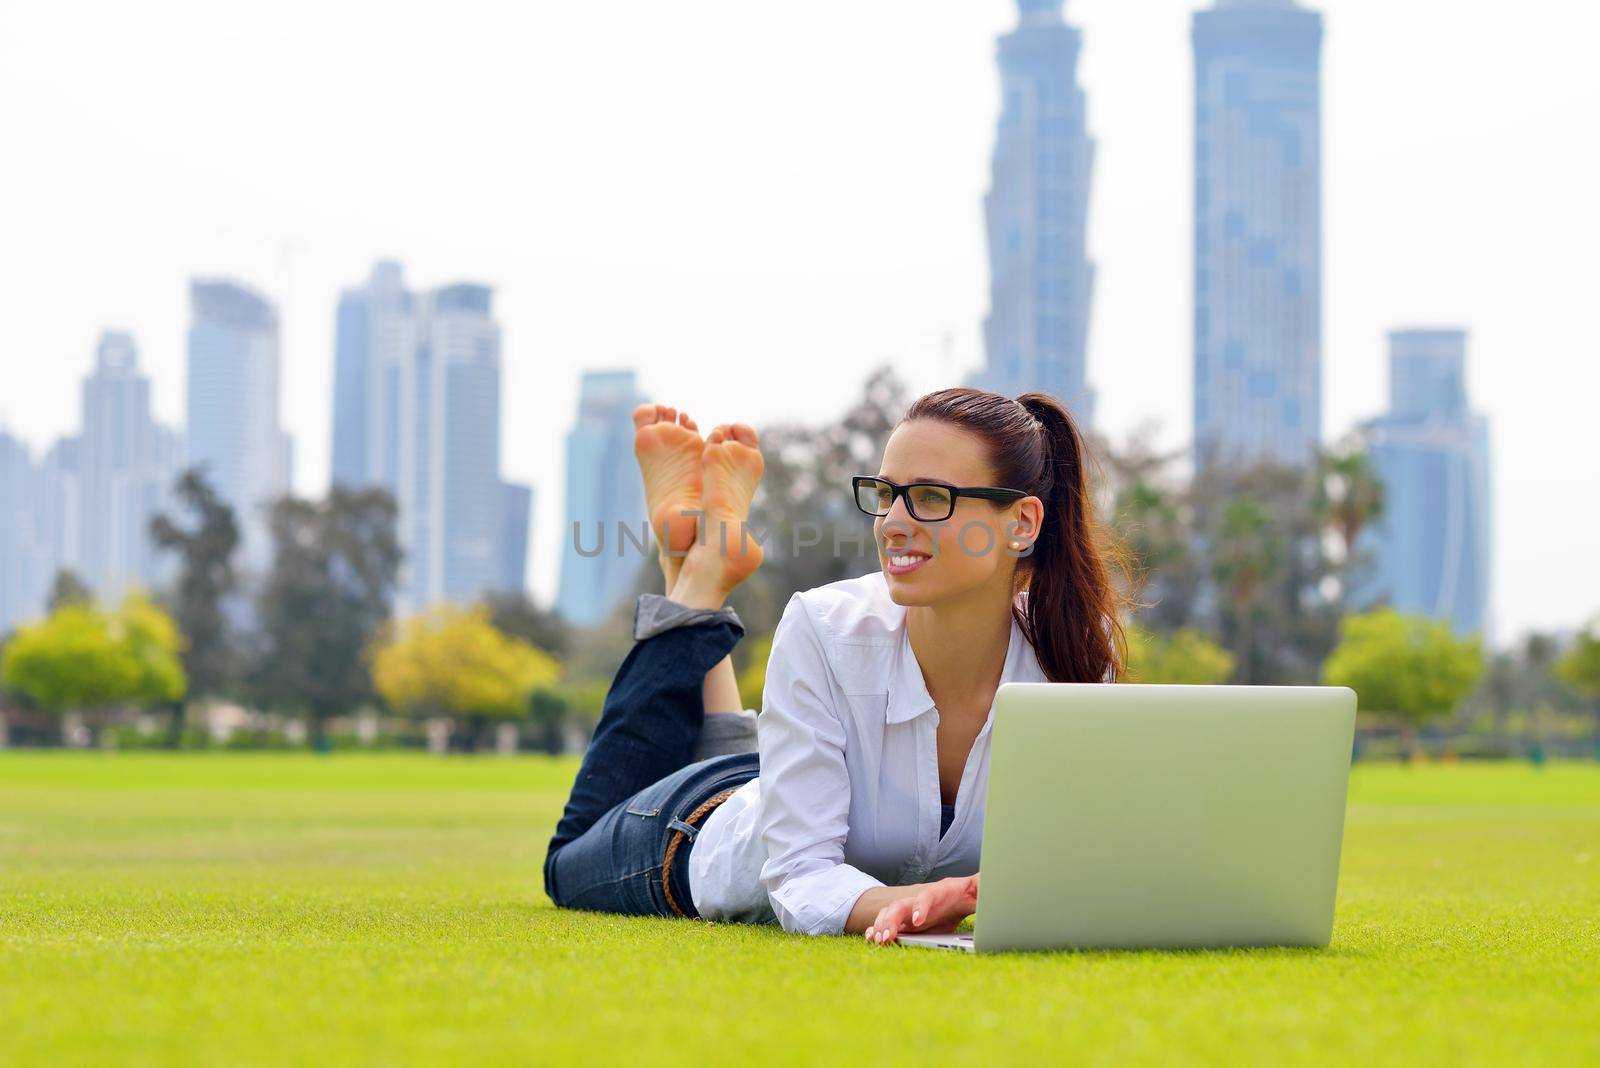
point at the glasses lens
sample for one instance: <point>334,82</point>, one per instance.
<point>874,496</point>
<point>930,502</point>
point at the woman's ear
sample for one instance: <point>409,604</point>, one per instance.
<point>1027,520</point>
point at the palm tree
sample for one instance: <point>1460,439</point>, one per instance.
<point>1347,497</point>
<point>1247,558</point>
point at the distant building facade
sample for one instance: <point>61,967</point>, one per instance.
<point>604,492</point>
<point>127,466</point>
<point>417,413</point>
<point>86,504</point>
<point>1432,547</point>
<point>1041,282</point>
<point>24,567</point>
<point>234,430</point>
<point>1257,232</point>
<point>516,515</point>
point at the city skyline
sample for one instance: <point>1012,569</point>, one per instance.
<point>1407,116</point>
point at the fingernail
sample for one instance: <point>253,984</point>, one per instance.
<point>916,917</point>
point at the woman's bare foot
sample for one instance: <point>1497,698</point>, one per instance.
<point>668,446</point>
<point>730,470</point>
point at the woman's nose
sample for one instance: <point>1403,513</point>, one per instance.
<point>899,517</point>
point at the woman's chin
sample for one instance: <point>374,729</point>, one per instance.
<point>906,591</point>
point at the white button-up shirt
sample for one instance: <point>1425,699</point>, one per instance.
<point>848,795</point>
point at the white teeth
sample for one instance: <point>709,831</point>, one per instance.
<point>904,561</point>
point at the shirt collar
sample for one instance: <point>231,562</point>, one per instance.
<point>908,691</point>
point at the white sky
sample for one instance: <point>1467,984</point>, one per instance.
<point>754,203</point>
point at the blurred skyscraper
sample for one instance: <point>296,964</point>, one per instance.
<point>604,489</point>
<point>1257,232</point>
<point>1040,279</point>
<point>517,517</point>
<point>234,432</point>
<point>417,412</point>
<point>127,466</point>
<point>1432,545</point>
<point>23,568</point>
<point>373,328</point>
<point>86,505</point>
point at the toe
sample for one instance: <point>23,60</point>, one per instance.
<point>686,422</point>
<point>644,415</point>
<point>718,434</point>
<point>669,414</point>
<point>745,434</point>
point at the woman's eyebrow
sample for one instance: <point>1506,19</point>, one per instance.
<point>918,478</point>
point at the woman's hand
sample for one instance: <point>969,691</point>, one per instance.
<point>936,909</point>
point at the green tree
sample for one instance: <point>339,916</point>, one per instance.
<point>206,580</point>
<point>516,615</point>
<point>83,659</point>
<point>1348,497</point>
<point>1151,513</point>
<point>1184,656</point>
<point>1580,667</point>
<point>455,662</point>
<point>1247,557</point>
<point>753,679</point>
<point>67,588</point>
<point>329,592</point>
<point>1406,666</point>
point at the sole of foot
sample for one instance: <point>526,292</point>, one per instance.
<point>731,466</point>
<point>669,448</point>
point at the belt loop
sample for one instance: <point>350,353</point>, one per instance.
<point>685,829</point>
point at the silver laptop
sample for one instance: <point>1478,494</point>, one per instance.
<point>1143,816</point>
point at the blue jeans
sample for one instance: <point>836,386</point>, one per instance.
<point>638,779</point>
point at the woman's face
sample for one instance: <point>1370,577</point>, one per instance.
<point>970,550</point>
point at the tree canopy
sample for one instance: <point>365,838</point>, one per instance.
<point>1409,666</point>
<point>81,657</point>
<point>454,661</point>
<point>1184,656</point>
<point>205,582</point>
<point>335,566</point>
<point>1580,667</point>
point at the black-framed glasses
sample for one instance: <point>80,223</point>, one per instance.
<point>929,502</point>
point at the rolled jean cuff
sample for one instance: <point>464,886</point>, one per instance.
<point>655,613</point>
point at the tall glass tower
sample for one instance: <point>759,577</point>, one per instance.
<point>373,328</point>
<point>127,467</point>
<point>604,493</point>
<point>23,576</point>
<point>1036,211</point>
<point>417,412</point>
<point>234,432</point>
<point>1432,544</point>
<point>1257,232</point>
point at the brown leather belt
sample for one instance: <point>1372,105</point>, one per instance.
<point>677,840</point>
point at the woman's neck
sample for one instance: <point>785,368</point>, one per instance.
<point>961,646</point>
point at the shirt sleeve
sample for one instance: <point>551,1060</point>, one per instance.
<point>805,786</point>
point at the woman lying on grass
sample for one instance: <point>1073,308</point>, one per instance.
<point>854,802</point>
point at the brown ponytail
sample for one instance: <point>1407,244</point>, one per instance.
<point>1072,612</point>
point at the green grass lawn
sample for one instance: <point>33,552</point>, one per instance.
<point>232,909</point>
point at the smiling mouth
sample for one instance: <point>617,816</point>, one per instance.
<point>905,563</point>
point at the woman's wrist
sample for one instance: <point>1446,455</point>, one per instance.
<point>872,901</point>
